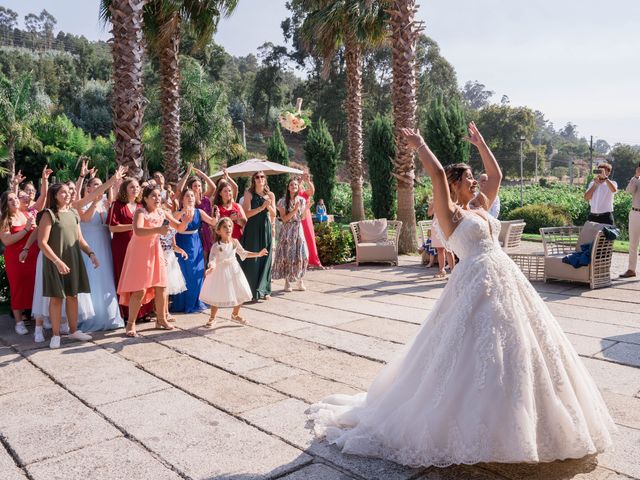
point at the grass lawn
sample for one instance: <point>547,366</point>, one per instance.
<point>620,246</point>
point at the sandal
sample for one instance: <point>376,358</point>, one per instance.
<point>130,330</point>
<point>171,318</point>
<point>238,319</point>
<point>161,324</point>
<point>211,321</point>
<point>440,275</point>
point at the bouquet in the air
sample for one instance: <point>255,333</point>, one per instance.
<point>295,119</point>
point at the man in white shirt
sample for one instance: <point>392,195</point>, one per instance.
<point>494,209</point>
<point>634,224</point>
<point>600,196</point>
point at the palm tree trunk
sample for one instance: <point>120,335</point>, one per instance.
<point>404,33</point>
<point>170,101</point>
<point>11,159</point>
<point>353,60</point>
<point>128,102</point>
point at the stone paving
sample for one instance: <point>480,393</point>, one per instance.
<point>229,402</point>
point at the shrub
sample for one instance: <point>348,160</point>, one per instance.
<point>538,216</point>
<point>335,243</point>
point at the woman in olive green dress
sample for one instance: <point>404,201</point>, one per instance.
<point>260,207</point>
<point>64,274</point>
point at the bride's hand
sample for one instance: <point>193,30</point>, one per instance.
<point>412,137</point>
<point>475,138</point>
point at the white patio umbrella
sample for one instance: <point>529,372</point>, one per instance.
<point>253,165</point>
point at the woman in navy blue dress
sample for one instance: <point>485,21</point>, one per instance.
<point>193,266</point>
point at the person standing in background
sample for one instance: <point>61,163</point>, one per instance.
<point>634,224</point>
<point>600,196</point>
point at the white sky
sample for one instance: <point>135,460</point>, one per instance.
<point>575,60</point>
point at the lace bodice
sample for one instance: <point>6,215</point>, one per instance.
<point>473,236</point>
<point>225,253</point>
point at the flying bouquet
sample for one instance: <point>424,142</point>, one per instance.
<point>294,119</point>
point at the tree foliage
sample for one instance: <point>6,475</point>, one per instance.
<point>278,152</point>
<point>625,161</point>
<point>502,127</point>
<point>445,131</point>
<point>205,123</point>
<point>380,152</point>
<point>322,156</point>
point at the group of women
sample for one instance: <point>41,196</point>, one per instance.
<point>125,229</point>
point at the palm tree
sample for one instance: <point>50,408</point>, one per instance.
<point>127,101</point>
<point>355,25</point>
<point>20,106</point>
<point>404,34</point>
<point>163,20</point>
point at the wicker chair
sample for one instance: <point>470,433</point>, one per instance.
<point>561,241</point>
<point>511,234</point>
<point>380,250</point>
<point>424,230</point>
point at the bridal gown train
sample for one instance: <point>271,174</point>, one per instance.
<point>489,377</point>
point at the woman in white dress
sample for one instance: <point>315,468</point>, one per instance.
<point>490,376</point>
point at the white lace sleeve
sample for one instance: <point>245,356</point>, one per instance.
<point>241,252</point>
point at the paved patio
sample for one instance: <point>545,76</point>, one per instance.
<point>229,402</point>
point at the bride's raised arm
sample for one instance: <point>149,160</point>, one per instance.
<point>489,163</point>
<point>443,205</point>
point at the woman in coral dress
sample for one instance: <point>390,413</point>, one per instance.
<point>307,190</point>
<point>120,223</point>
<point>144,271</point>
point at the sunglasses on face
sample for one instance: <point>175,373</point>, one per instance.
<point>260,176</point>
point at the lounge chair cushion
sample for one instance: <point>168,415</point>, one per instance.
<point>373,231</point>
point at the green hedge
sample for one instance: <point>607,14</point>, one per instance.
<point>568,198</point>
<point>539,216</point>
<point>335,243</point>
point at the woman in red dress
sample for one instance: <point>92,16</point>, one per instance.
<point>15,228</point>
<point>306,191</point>
<point>120,223</point>
<point>223,199</point>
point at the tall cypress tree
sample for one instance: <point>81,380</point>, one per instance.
<point>445,130</point>
<point>322,156</point>
<point>277,152</point>
<point>381,150</point>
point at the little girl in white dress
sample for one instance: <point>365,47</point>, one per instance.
<point>225,284</point>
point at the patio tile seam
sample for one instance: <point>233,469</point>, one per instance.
<point>600,323</point>
<point>236,416</point>
<point>74,450</point>
<point>609,360</point>
<point>299,339</point>
<point>124,433</point>
<point>14,456</point>
<point>249,307</point>
<point>237,374</point>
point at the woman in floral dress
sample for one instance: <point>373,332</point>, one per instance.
<point>292,255</point>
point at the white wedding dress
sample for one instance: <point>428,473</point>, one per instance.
<point>490,377</point>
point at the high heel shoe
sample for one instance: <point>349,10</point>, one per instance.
<point>130,330</point>
<point>211,321</point>
<point>161,324</point>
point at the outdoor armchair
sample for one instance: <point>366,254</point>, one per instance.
<point>561,241</point>
<point>376,240</point>
<point>511,234</point>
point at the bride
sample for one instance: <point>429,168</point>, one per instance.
<point>490,376</point>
